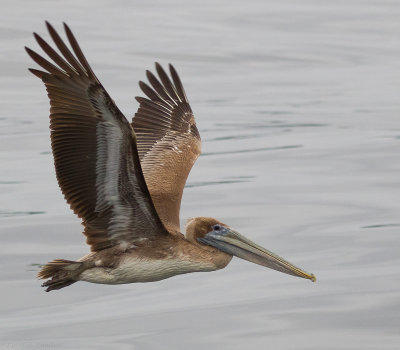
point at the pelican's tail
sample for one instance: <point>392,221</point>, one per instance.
<point>60,273</point>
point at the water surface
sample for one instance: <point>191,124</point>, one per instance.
<point>298,107</point>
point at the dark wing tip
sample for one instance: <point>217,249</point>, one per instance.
<point>49,27</point>
<point>72,40</point>
<point>172,69</point>
<point>28,50</point>
<point>149,92</point>
<point>149,74</point>
<point>142,85</point>
<point>163,76</point>
<point>141,99</point>
<point>40,41</point>
<point>178,83</point>
<point>37,72</point>
<point>34,55</point>
<point>66,27</point>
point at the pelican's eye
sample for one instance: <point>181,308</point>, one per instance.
<point>216,227</point>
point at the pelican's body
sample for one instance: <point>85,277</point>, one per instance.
<point>141,264</point>
<point>152,261</point>
<point>126,180</point>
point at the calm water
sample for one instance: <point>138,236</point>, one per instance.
<point>298,106</point>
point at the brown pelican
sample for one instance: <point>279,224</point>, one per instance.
<point>125,181</point>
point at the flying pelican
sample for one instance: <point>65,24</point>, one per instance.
<point>125,181</point>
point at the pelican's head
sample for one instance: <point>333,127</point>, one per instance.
<point>219,238</point>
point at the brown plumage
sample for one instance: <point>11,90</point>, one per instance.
<point>125,181</point>
<point>168,142</point>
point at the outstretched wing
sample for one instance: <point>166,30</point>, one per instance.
<point>168,142</point>
<point>95,151</point>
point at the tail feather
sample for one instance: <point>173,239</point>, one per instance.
<point>60,273</point>
<point>58,284</point>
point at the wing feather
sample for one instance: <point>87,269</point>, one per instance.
<point>168,142</point>
<point>95,151</point>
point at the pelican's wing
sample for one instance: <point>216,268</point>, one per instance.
<point>168,142</point>
<point>95,151</point>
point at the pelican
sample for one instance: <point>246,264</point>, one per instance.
<point>125,180</point>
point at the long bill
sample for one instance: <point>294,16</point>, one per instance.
<point>233,243</point>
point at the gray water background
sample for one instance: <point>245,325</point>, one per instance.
<point>298,106</point>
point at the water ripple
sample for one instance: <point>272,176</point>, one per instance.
<point>252,150</point>
<point>381,225</point>
<point>232,180</point>
<point>9,213</point>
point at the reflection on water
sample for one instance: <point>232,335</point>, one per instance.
<point>273,124</point>
<point>6,213</point>
<point>10,182</point>
<point>381,225</point>
<point>298,109</point>
<point>230,180</point>
<point>251,150</point>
